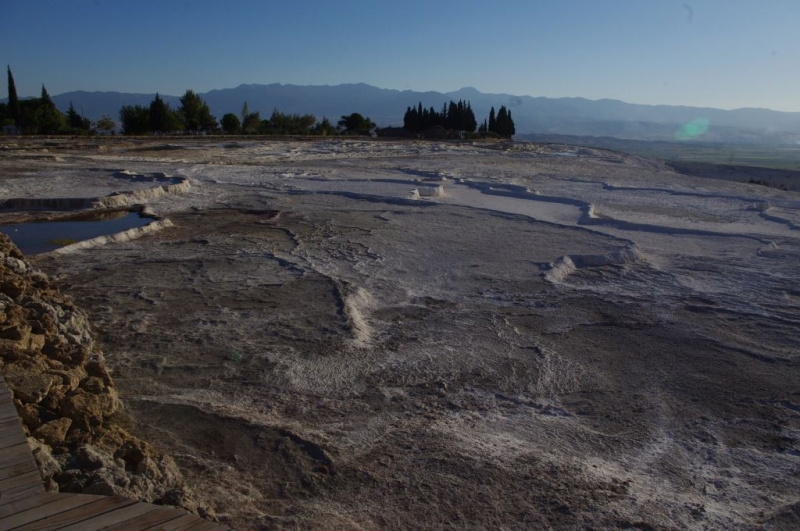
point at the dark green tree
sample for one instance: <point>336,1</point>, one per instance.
<point>195,114</point>
<point>159,111</point>
<point>231,124</point>
<point>502,121</point>
<point>504,125</point>
<point>135,119</point>
<point>162,118</point>
<point>288,124</point>
<point>323,128</point>
<point>410,119</point>
<point>14,110</point>
<point>75,121</point>
<point>470,123</point>
<point>453,116</point>
<point>251,121</point>
<point>49,120</point>
<point>356,124</point>
<point>492,121</point>
<point>105,123</point>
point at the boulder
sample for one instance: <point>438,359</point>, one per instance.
<point>70,377</point>
<point>31,388</point>
<point>90,458</point>
<point>43,454</point>
<point>54,432</point>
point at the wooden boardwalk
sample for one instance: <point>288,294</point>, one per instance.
<point>25,506</point>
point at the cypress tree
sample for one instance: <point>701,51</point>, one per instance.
<point>13,99</point>
<point>72,117</point>
<point>452,116</point>
<point>502,121</point>
<point>45,98</point>
<point>75,120</point>
<point>50,120</point>
<point>470,123</point>
<point>492,121</point>
<point>162,118</point>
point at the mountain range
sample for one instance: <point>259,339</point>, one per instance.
<point>565,116</point>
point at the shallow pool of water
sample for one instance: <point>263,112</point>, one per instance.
<point>41,237</point>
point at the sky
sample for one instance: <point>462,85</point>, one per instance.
<point>709,53</point>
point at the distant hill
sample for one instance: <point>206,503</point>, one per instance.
<point>565,116</point>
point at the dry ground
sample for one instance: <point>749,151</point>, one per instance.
<point>317,351</point>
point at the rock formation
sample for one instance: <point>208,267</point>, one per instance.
<point>66,398</point>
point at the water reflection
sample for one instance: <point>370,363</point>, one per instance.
<point>44,236</point>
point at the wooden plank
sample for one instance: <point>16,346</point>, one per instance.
<point>156,520</point>
<point>102,521</point>
<point>15,454</point>
<point>5,387</point>
<point>23,466</point>
<point>21,492</point>
<point>17,487</point>
<point>78,514</point>
<point>46,509</point>
<point>9,440</point>
<point>30,502</point>
<point>9,414</point>
<point>8,410</point>
<point>12,436</point>
<point>29,478</point>
<point>11,423</point>
<point>7,399</point>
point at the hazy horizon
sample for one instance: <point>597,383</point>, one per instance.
<point>704,53</point>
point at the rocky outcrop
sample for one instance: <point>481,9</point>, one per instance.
<point>66,397</point>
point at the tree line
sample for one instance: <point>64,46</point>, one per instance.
<point>502,124</point>
<point>39,116</point>
<point>193,116</point>
<point>458,118</point>
<point>454,117</point>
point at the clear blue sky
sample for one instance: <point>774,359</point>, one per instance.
<point>720,53</point>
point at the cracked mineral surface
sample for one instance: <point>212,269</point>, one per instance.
<point>352,334</point>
